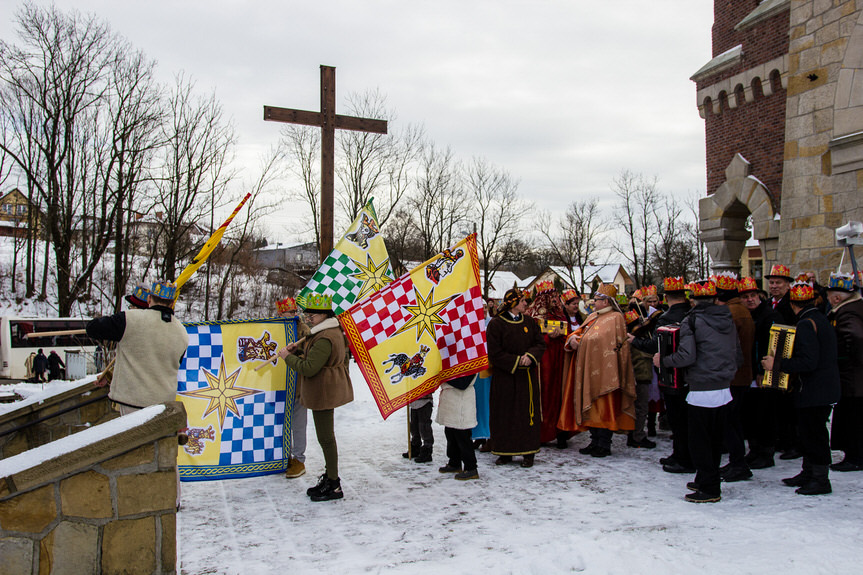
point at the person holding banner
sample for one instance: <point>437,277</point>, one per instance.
<point>515,348</point>
<point>323,384</point>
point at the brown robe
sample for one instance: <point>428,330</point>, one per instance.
<point>515,414</point>
<point>599,389</point>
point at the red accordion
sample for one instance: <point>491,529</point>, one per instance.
<point>668,337</point>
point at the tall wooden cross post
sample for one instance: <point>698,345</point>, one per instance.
<point>328,120</point>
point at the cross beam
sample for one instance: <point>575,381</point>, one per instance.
<point>328,121</point>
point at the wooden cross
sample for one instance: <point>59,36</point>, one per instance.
<point>328,120</point>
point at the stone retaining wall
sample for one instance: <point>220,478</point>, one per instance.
<point>54,428</point>
<point>105,503</point>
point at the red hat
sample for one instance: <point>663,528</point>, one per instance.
<point>544,286</point>
<point>649,290</point>
<point>703,289</point>
<point>568,295</point>
<point>747,284</point>
<point>286,305</point>
<point>779,271</point>
<point>631,316</point>
<point>673,284</point>
<point>802,291</point>
<point>638,294</point>
<point>727,281</point>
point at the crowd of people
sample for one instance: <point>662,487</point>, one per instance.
<point>559,367</point>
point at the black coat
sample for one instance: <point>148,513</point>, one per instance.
<point>847,319</point>
<point>814,360</point>
<point>764,317</point>
<point>674,315</point>
<point>783,308</point>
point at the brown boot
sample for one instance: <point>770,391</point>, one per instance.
<point>296,468</point>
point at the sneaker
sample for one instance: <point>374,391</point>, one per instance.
<point>693,486</point>
<point>600,452</point>
<point>675,467</point>
<point>449,468</point>
<point>736,474</point>
<point>467,474</point>
<point>846,465</point>
<point>587,450</point>
<point>332,490</point>
<point>701,497</point>
<point>296,468</point>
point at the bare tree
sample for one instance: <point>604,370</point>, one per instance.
<point>301,148</point>
<point>575,238</point>
<point>439,208</point>
<point>702,256</point>
<point>55,103</point>
<point>375,165</point>
<point>196,170</point>
<point>674,253</point>
<point>499,211</point>
<point>636,214</point>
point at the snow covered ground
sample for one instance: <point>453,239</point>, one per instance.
<point>569,513</point>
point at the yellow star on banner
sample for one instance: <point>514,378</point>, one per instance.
<point>221,393</point>
<point>373,277</point>
<point>425,314</point>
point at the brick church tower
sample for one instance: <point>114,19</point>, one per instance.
<point>782,102</point>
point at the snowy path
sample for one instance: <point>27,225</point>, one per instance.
<point>570,513</point>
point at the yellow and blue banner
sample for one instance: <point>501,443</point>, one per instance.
<point>239,419</point>
<point>421,330</point>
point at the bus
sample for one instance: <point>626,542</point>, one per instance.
<point>15,348</point>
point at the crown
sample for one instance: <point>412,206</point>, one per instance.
<point>703,288</point>
<point>631,316</point>
<point>315,302</point>
<point>638,294</point>
<point>164,289</point>
<point>840,282</point>
<point>747,284</point>
<point>779,271</point>
<point>424,349</point>
<point>568,295</point>
<point>727,281</point>
<point>140,292</point>
<point>673,284</point>
<point>606,290</point>
<point>802,291</point>
<point>286,305</point>
<point>544,286</point>
<point>649,290</point>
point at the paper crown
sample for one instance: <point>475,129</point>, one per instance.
<point>606,290</point>
<point>840,282</point>
<point>638,294</point>
<point>164,290</point>
<point>703,288</point>
<point>316,302</point>
<point>673,284</point>
<point>568,295</point>
<point>779,271</point>
<point>631,316</point>
<point>727,281</point>
<point>802,291</point>
<point>747,285</point>
<point>544,286</point>
<point>649,290</point>
<point>138,297</point>
<point>286,305</point>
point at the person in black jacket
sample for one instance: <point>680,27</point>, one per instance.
<point>814,361</point>
<point>40,366</point>
<point>847,318</point>
<point>674,399</point>
<point>760,412</point>
<point>55,364</point>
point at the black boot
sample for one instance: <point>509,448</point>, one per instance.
<point>425,455</point>
<point>332,490</point>
<point>415,450</point>
<point>801,478</point>
<point>818,483</point>
<point>651,424</point>
<point>322,483</point>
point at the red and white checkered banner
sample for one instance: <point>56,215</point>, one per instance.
<point>424,328</point>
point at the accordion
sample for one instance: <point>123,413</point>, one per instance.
<point>780,344</point>
<point>668,337</point>
<point>547,326</point>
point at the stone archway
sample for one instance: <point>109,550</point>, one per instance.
<point>722,218</point>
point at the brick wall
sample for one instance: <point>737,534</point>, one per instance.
<point>106,507</point>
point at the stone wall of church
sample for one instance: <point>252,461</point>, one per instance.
<point>815,200</point>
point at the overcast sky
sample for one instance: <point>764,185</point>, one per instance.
<point>562,94</point>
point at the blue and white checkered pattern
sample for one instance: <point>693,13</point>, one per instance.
<point>205,350</point>
<point>257,435</point>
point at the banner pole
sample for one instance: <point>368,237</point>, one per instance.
<point>408,410</point>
